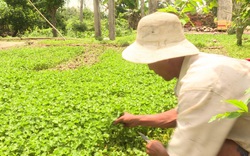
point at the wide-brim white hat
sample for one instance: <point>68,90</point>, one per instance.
<point>160,36</point>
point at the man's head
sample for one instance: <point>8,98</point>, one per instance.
<point>160,36</point>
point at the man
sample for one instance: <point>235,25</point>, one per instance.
<point>205,81</point>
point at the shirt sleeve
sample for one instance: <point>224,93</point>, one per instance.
<point>194,136</point>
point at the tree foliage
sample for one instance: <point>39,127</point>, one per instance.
<point>18,16</point>
<point>241,17</point>
<point>51,7</point>
<point>183,8</point>
<point>21,15</point>
<point>4,10</point>
<point>129,10</point>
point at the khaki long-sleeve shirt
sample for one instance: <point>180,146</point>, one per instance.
<point>205,82</point>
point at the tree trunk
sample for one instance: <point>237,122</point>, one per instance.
<point>53,20</point>
<point>225,8</point>
<point>153,5</point>
<point>142,8</point>
<point>239,33</point>
<point>81,11</point>
<point>97,20</point>
<point>133,20</point>
<point>111,18</point>
<point>14,33</point>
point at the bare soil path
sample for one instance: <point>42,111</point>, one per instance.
<point>89,57</point>
<point>10,44</point>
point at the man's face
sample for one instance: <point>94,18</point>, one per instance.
<point>163,69</point>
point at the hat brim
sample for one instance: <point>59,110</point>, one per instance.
<point>138,53</point>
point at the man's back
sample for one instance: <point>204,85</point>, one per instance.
<point>205,82</point>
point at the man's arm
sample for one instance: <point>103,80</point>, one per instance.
<point>162,120</point>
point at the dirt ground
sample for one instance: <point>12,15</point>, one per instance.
<point>7,44</point>
<point>12,44</point>
<point>89,57</point>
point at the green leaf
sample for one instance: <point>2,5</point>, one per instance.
<point>248,101</point>
<point>232,115</point>
<point>194,3</point>
<point>205,10</point>
<point>183,21</point>
<point>170,9</point>
<point>188,9</point>
<point>248,91</point>
<point>213,4</point>
<point>239,104</point>
<point>219,117</point>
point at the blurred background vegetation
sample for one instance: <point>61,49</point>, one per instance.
<point>19,18</point>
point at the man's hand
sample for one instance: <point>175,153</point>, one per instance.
<point>162,120</point>
<point>128,120</point>
<point>155,148</point>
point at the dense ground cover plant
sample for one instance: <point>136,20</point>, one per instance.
<point>44,111</point>
<point>50,112</point>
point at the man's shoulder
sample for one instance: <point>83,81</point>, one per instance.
<point>203,69</point>
<point>210,65</point>
<point>215,72</point>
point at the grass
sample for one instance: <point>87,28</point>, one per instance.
<point>222,44</point>
<point>47,111</point>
